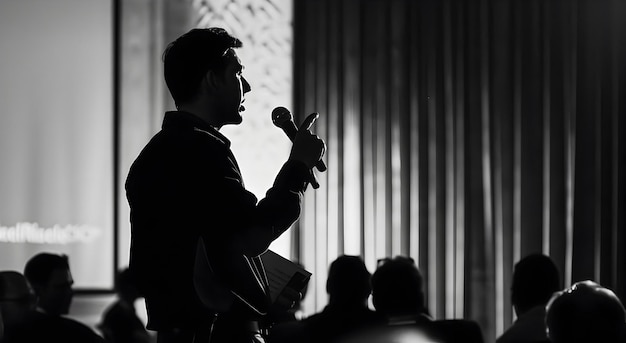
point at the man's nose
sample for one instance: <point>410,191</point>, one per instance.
<point>246,85</point>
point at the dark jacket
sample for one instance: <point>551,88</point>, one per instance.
<point>421,328</point>
<point>186,185</point>
<point>41,327</point>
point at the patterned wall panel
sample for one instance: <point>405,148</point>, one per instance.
<point>265,28</point>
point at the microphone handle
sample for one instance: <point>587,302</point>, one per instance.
<point>291,130</point>
<point>313,180</point>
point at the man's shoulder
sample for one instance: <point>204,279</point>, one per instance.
<point>55,328</point>
<point>73,323</point>
<point>79,330</point>
<point>183,126</point>
<point>452,330</point>
<point>70,325</point>
<point>192,136</point>
<point>174,149</point>
<point>528,327</point>
<point>118,313</point>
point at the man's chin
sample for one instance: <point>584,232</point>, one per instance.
<point>235,119</point>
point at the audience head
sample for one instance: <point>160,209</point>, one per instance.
<point>397,287</point>
<point>535,280</point>
<point>188,58</point>
<point>51,279</point>
<point>585,312</point>
<point>348,281</point>
<point>17,299</point>
<point>125,286</point>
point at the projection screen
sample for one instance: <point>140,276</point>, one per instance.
<point>56,136</point>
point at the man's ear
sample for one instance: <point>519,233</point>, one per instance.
<point>211,80</point>
<point>37,289</point>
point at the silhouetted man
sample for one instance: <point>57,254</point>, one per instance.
<point>535,280</point>
<point>120,323</point>
<point>189,206</point>
<point>398,294</point>
<point>348,287</point>
<point>51,279</point>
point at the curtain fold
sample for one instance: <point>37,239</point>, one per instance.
<point>466,135</point>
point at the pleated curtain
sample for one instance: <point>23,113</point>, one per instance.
<point>465,134</point>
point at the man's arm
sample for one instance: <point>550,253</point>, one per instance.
<point>277,211</point>
<point>251,227</point>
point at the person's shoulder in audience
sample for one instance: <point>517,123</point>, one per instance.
<point>457,330</point>
<point>530,327</point>
<point>535,278</point>
<point>40,327</point>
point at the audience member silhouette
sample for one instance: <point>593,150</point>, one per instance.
<point>120,323</point>
<point>348,287</point>
<point>535,280</point>
<point>585,312</point>
<point>17,300</point>
<point>397,290</point>
<point>51,280</point>
<point>398,294</point>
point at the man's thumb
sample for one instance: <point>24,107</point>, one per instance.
<point>308,122</point>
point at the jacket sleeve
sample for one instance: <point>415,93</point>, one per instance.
<point>237,228</point>
<point>234,220</point>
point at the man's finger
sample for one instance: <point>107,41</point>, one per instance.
<point>291,293</point>
<point>308,122</point>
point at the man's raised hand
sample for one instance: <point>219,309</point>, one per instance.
<point>307,147</point>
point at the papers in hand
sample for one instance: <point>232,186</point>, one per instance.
<point>282,273</point>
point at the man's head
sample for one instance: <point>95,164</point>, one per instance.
<point>535,279</point>
<point>585,312</point>
<point>397,287</point>
<point>17,299</point>
<point>348,281</point>
<point>203,72</point>
<point>125,286</point>
<point>51,279</point>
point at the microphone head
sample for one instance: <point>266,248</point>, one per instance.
<point>280,116</point>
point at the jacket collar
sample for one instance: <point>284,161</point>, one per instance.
<point>181,120</point>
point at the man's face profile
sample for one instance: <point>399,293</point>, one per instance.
<point>231,89</point>
<point>56,296</point>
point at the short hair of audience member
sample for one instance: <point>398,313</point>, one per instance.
<point>535,280</point>
<point>348,280</point>
<point>17,299</point>
<point>397,287</point>
<point>51,279</point>
<point>585,312</point>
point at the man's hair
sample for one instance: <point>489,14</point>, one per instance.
<point>40,267</point>
<point>125,283</point>
<point>348,279</point>
<point>535,279</point>
<point>13,286</point>
<point>188,58</point>
<point>397,287</point>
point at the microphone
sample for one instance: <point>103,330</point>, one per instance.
<point>282,118</point>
